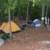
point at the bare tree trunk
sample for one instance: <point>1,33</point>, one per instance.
<point>47,11</point>
<point>9,20</point>
<point>43,14</point>
<point>47,17</point>
<point>43,10</point>
<point>13,16</point>
<point>47,14</point>
<point>27,17</point>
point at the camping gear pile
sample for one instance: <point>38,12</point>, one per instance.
<point>3,38</point>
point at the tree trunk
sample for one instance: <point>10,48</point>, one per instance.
<point>9,20</point>
<point>46,10</point>
<point>27,17</point>
<point>46,15</point>
<point>43,9</point>
<point>43,14</point>
<point>13,16</point>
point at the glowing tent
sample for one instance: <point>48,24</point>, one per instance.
<point>7,27</point>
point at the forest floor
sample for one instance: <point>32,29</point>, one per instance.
<point>29,40</point>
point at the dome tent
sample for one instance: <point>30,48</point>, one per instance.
<point>12,26</point>
<point>36,23</point>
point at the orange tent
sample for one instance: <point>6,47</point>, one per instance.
<point>7,27</point>
<point>2,26</point>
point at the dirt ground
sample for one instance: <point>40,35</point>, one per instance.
<point>28,40</point>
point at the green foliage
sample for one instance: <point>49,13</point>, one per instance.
<point>12,4</point>
<point>40,2</point>
<point>20,7</point>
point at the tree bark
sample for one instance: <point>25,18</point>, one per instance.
<point>46,10</point>
<point>43,9</point>
<point>43,14</point>
<point>9,20</point>
<point>13,16</point>
<point>27,16</point>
